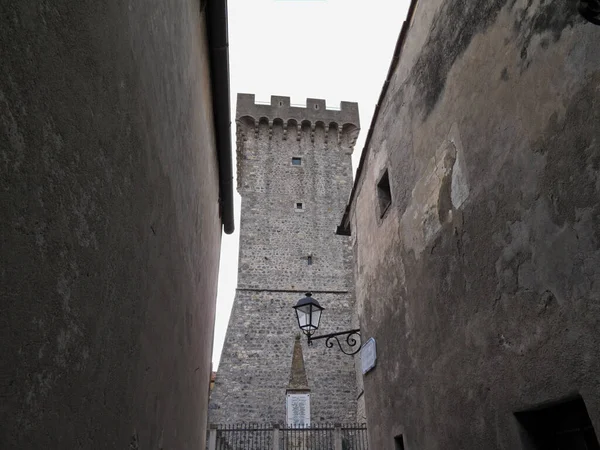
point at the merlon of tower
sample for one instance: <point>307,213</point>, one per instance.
<point>292,118</point>
<point>281,108</point>
<point>298,380</point>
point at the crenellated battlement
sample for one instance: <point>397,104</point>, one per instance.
<point>281,108</point>
<point>292,118</point>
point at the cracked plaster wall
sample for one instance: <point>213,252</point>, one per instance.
<point>482,282</point>
<point>109,225</point>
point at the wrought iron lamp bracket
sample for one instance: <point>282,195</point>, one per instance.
<point>353,341</point>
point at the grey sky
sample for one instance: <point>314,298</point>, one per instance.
<point>330,49</point>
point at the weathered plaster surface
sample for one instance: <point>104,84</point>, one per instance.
<point>109,225</point>
<point>481,282</point>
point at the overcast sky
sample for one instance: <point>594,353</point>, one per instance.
<point>330,49</point>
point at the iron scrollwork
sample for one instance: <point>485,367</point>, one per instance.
<point>353,342</point>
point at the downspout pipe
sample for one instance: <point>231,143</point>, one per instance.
<point>216,19</point>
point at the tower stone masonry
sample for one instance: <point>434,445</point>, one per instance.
<point>294,176</point>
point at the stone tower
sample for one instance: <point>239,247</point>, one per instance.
<point>294,177</point>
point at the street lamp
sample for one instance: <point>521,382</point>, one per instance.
<point>308,314</point>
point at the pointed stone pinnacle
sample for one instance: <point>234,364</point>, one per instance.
<point>298,380</point>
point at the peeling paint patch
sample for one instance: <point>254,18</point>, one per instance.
<point>442,189</point>
<point>460,184</point>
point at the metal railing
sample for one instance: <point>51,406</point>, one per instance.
<point>279,437</point>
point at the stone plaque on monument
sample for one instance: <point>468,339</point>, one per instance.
<point>298,410</point>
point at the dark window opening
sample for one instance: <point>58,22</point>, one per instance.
<point>296,161</point>
<point>562,426</point>
<point>384,194</point>
<point>399,442</point>
<point>309,260</point>
<point>298,205</point>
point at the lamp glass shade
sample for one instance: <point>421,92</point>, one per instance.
<point>308,313</point>
<point>303,315</point>
<point>315,318</point>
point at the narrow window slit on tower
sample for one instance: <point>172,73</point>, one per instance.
<point>309,260</point>
<point>296,161</point>
<point>384,193</point>
<point>299,206</point>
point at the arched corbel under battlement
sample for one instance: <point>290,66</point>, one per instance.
<point>291,127</point>
<point>294,118</point>
<point>306,126</point>
<point>349,135</point>
<point>333,132</point>
<point>277,124</point>
<point>317,127</point>
<point>244,125</point>
<point>262,121</point>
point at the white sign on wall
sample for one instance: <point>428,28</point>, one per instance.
<point>297,408</point>
<point>368,355</point>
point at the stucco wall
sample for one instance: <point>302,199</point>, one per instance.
<point>273,273</point>
<point>480,283</point>
<point>109,222</point>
